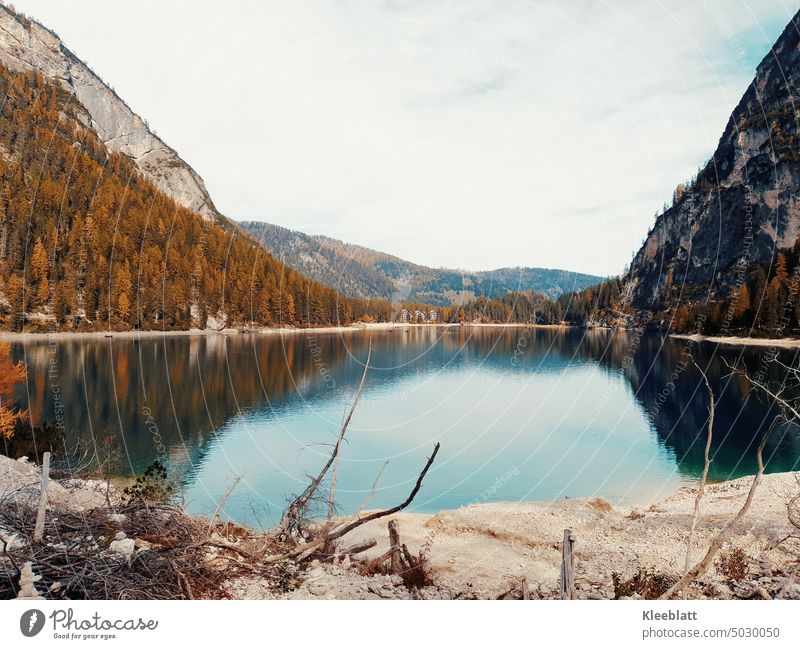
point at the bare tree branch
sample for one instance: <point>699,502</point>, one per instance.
<point>702,487</point>
<point>291,518</point>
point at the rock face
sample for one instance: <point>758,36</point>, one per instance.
<point>27,45</point>
<point>743,206</point>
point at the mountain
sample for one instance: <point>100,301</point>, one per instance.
<point>728,225</point>
<point>365,273</point>
<point>27,46</point>
<point>103,226</point>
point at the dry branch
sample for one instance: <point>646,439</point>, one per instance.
<point>338,532</point>
<point>291,521</point>
<point>702,487</point>
<point>718,541</point>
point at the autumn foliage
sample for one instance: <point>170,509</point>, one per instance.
<point>10,374</point>
<point>86,241</point>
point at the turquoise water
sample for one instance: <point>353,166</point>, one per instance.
<point>520,414</point>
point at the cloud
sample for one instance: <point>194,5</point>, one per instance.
<point>462,133</point>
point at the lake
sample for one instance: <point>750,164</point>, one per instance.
<point>521,414</point>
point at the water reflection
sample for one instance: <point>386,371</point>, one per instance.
<point>521,414</point>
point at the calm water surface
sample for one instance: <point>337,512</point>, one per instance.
<point>520,413</point>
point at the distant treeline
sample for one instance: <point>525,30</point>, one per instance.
<point>762,300</point>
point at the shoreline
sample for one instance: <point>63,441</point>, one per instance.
<point>483,551</point>
<point>740,341</point>
<point>20,336</point>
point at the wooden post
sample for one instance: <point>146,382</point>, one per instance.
<point>394,543</point>
<point>567,586</point>
<point>38,530</point>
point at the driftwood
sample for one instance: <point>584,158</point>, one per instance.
<point>291,521</point>
<point>358,548</point>
<point>336,533</point>
<point>38,530</point>
<point>27,582</point>
<point>360,520</point>
<point>567,582</point>
<point>701,567</point>
<point>394,547</point>
<point>222,502</point>
<point>398,560</point>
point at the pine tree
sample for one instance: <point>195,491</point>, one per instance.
<point>39,268</point>
<point>742,306</point>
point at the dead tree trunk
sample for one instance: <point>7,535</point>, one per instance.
<point>567,586</point>
<point>38,530</point>
<point>394,547</point>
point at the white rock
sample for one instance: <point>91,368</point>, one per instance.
<point>318,588</point>
<point>124,548</point>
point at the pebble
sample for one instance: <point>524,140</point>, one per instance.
<point>318,588</point>
<point>123,547</point>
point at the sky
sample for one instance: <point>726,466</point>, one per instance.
<point>472,134</point>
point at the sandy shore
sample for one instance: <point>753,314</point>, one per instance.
<point>741,341</point>
<point>22,336</point>
<point>485,550</point>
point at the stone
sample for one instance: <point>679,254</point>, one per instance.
<point>27,583</point>
<point>123,548</point>
<point>318,588</point>
<point>119,536</point>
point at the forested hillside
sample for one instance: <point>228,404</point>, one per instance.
<point>86,241</point>
<point>358,271</point>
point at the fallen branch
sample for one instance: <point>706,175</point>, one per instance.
<point>222,501</point>
<point>358,548</point>
<point>290,521</point>
<point>349,527</point>
<point>337,533</point>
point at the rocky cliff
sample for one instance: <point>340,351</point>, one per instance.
<point>743,205</point>
<point>26,45</point>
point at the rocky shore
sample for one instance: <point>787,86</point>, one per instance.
<point>488,551</point>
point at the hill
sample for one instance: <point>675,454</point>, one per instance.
<point>362,272</point>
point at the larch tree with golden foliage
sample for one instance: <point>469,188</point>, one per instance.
<point>10,375</point>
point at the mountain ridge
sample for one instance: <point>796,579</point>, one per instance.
<point>362,272</point>
<point>27,45</point>
<point>742,208</point>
